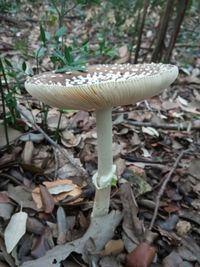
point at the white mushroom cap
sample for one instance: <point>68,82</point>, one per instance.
<point>102,86</point>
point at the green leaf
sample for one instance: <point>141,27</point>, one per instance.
<point>57,56</point>
<point>70,68</point>
<point>67,110</point>
<point>114,182</point>
<point>47,36</point>
<point>67,53</point>
<point>42,34</point>
<point>60,32</point>
<point>24,66</point>
<point>8,63</point>
<point>40,52</point>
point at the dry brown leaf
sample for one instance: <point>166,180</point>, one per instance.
<point>27,153</point>
<point>80,119</point>
<point>121,165</point>
<point>183,227</point>
<point>167,105</point>
<point>68,139</point>
<point>113,247</point>
<point>42,157</point>
<point>53,120</point>
<point>190,107</point>
<point>74,193</point>
<point>123,51</point>
<point>47,199</point>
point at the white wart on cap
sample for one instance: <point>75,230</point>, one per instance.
<point>102,86</point>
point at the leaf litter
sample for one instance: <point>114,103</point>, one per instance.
<point>144,156</point>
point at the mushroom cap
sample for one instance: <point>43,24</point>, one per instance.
<point>101,86</point>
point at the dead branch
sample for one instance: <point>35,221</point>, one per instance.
<point>162,189</point>
<point>52,142</point>
<point>184,126</point>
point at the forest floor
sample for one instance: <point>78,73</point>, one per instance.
<point>156,148</point>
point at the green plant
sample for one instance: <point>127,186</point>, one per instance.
<point>8,6</point>
<point>11,75</point>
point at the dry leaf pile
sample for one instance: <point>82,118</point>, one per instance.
<point>46,200</point>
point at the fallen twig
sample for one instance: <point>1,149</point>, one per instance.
<point>184,126</point>
<point>162,189</point>
<point>52,142</point>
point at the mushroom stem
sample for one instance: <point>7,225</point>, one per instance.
<point>104,142</point>
<point>106,170</point>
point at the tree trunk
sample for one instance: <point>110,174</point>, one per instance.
<point>145,7</point>
<point>181,9</point>
<point>164,20</point>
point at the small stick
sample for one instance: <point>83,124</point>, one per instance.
<point>52,142</point>
<point>185,126</point>
<point>162,189</point>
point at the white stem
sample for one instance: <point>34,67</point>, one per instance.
<point>106,170</point>
<point>104,141</point>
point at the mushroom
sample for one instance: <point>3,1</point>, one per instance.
<point>99,88</point>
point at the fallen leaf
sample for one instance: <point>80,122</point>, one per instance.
<point>123,51</point>
<point>62,226</point>
<point>132,226</point>
<point>150,131</point>
<point>170,223</point>
<point>194,168</point>
<point>145,153</point>
<point>167,105</point>
<point>108,261</point>
<point>27,153</point>
<point>15,229</point>
<point>182,101</point>
<point>47,199</point>
<point>53,120</point>
<point>12,135</point>
<point>183,227</point>
<point>80,119</point>
<point>34,226</point>
<point>6,209</point>
<point>68,139</point>
<point>196,204</point>
<point>190,107</point>
<point>172,260</point>
<point>42,244</point>
<point>22,194</point>
<point>186,254</point>
<point>60,184</point>
<point>61,189</point>
<point>121,165</point>
<point>100,235</point>
<point>113,247</point>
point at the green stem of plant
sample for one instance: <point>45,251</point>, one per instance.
<point>4,75</point>
<point>4,113</point>
<point>45,109</point>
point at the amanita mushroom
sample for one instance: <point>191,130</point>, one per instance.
<point>100,88</point>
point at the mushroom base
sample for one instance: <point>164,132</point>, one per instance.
<point>102,195</point>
